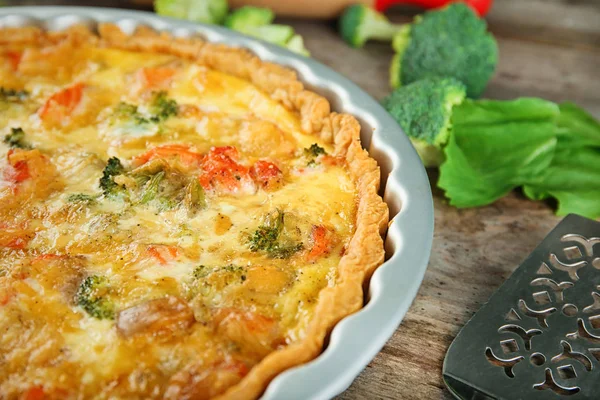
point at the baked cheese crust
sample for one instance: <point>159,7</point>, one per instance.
<point>178,219</point>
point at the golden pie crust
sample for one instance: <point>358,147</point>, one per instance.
<point>365,251</point>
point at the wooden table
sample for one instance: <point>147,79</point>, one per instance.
<point>549,49</point>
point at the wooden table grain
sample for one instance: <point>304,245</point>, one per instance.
<point>549,49</point>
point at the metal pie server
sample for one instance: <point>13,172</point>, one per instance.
<point>538,337</point>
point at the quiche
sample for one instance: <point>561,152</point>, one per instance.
<point>178,219</point>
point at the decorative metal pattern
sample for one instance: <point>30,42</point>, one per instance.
<point>539,336</point>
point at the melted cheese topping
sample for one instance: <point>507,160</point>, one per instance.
<point>170,276</point>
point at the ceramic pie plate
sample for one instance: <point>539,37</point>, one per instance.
<point>356,339</point>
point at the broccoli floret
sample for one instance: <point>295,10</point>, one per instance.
<point>257,22</point>
<point>423,109</point>
<point>162,107</point>
<point>107,182</point>
<point>205,11</point>
<point>16,139</point>
<point>268,238</point>
<point>314,151</point>
<point>93,295</point>
<point>450,42</point>
<point>360,23</point>
<point>13,95</point>
<point>129,112</point>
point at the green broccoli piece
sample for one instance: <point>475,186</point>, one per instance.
<point>296,44</point>
<point>257,22</point>
<point>152,187</point>
<point>162,107</point>
<point>269,238</point>
<point>423,109</point>
<point>13,95</point>
<point>125,112</point>
<point>93,296</point>
<point>16,139</point>
<point>107,182</point>
<point>314,151</point>
<point>360,23</point>
<point>450,42</point>
<point>205,11</point>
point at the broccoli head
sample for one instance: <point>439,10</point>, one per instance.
<point>257,22</point>
<point>450,42</point>
<point>424,109</point>
<point>107,182</point>
<point>93,296</point>
<point>16,138</point>
<point>360,23</point>
<point>205,11</point>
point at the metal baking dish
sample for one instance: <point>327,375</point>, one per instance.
<point>356,339</point>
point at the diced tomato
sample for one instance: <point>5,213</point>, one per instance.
<point>266,173</point>
<point>17,243</point>
<point>181,152</point>
<point>14,59</point>
<point>17,172</point>
<point>158,77</point>
<point>35,393</point>
<point>321,239</point>
<point>221,171</point>
<point>61,104</point>
<point>163,254</point>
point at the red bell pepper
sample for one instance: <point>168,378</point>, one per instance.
<point>480,6</point>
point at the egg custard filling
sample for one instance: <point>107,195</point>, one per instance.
<point>178,219</point>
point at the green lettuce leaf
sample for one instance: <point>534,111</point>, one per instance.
<point>496,146</point>
<point>573,178</point>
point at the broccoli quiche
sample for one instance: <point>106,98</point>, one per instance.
<point>178,219</point>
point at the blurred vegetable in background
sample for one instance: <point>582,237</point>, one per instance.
<point>252,21</point>
<point>451,42</point>
<point>205,11</point>
<point>257,22</point>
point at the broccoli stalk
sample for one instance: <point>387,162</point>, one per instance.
<point>423,110</point>
<point>450,42</point>
<point>92,296</point>
<point>205,11</point>
<point>257,22</point>
<point>360,23</point>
